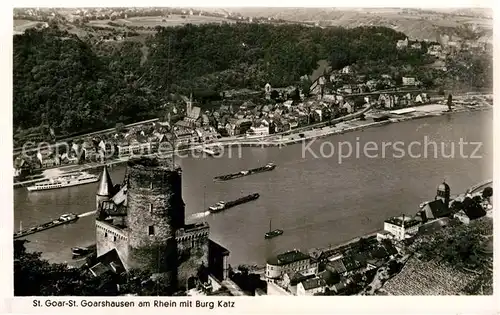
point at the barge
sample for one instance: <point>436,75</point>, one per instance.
<point>223,205</point>
<point>64,219</point>
<point>266,168</point>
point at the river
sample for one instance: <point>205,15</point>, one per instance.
<point>316,201</point>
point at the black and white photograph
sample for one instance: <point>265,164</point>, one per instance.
<point>251,151</point>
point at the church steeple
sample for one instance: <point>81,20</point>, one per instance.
<point>105,188</point>
<point>443,193</point>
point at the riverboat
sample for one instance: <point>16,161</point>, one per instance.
<point>67,180</point>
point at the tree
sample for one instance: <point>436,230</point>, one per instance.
<point>459,246</point>
<point>487,192</point>
<point>275,95</point>
<point>363,244</point>
<point>394,267</point>
<point>449,102</point>
<point>306,86</point>
<point>296,95</point>
<point>34,276</point>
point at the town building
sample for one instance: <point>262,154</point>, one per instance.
<point>409,81</point>
<point>193,117</point>
<point>401,227</point>
<point>402,44</point>
<point>311,286</point>
<point>262,130</point>
<point>142,223</point>
<point>416,45</point>
<point>435,50</point>
<point>290,262</point>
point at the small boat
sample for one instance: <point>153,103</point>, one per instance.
<point>67,180</point>
<point>380,118</point>
<point>273,233</point>
<point>80,251</point>
<point>213,151</point>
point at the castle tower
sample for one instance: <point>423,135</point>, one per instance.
<point>155,213</point>
<point>443,193</point>
<point>105,189</point>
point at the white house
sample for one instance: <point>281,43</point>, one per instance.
<point>409,81</point>
<point>462,217</point>
<point>291,261</point>
<point>348,107</point>
<point>434,50</point>
<point>262,130</point>
<point>416,45</point>
<point>311,287</point>
<point>401,227</point>
<point>346,70</point>
<point>401,44</point>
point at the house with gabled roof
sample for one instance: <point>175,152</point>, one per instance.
<point>311,286</point>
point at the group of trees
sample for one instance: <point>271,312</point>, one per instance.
<point>77,85</point>
<point>34,276</point>
<point>459,245</point>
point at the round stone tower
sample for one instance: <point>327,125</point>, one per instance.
<point>155,211</point>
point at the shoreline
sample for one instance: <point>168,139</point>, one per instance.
<point>334,131</point>
<point>289,140</point>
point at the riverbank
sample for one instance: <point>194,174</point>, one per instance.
<point>297,136</point>
<point>356,124</point>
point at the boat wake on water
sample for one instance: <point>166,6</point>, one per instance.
<point>198,215</point>
<point>86,214</point>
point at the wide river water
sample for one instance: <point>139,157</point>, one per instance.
<point>317,201</point>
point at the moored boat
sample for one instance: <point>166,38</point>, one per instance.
<point>68,180</point>
<point>266,168</point>
<point>212,151</point>
<point>63,219</point>
<point>379,118</point>
<point>80,251</point>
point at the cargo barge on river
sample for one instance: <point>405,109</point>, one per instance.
<point>223,205</point>
<point>64,219</point>
<point>266,168</point>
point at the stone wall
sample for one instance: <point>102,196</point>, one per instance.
<point>192,248</point>
<point>109,237</point>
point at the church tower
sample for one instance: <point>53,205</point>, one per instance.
<point>105,189</point>
<point>189,105</point>
<point>443,194</point>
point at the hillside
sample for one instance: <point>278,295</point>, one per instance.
<point>417,24</point>
<point>75,82</point>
